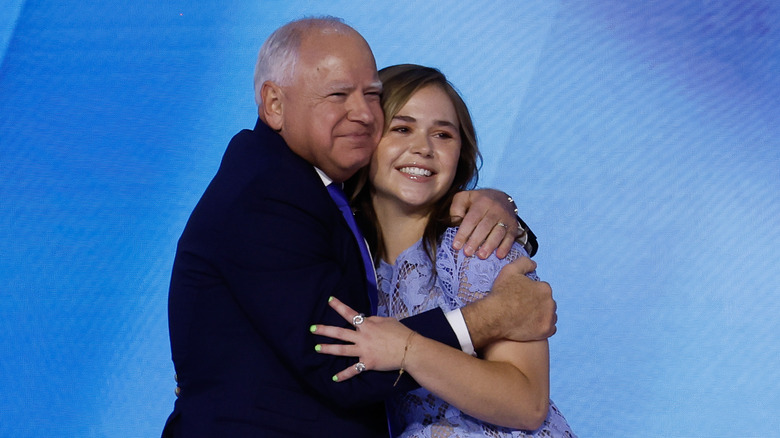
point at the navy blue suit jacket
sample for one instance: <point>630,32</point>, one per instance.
<point>261,253</point>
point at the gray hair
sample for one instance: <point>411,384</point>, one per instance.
<point>279,54</point>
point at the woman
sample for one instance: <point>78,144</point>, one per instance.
<point>428,153</point>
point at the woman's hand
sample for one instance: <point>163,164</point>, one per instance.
<point>378,342</point>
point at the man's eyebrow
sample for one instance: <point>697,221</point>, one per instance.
<point>341,86</point>
<point>345,86</point>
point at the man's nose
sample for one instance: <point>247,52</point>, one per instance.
<point>359,109</point>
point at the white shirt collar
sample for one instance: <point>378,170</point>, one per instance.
<point>325,178</point>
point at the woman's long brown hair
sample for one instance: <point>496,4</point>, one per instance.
<point>400,83</point>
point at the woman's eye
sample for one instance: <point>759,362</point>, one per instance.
<point>400,129</point>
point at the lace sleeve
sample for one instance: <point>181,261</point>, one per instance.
<point>466,279</point>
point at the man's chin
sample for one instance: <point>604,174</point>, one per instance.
<point>342,171</point>
<point>358,157</point>
<point>356,142</point>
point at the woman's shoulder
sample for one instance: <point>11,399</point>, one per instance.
<point>445,249</point>
<point>455,263</point>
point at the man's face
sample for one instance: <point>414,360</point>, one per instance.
<point>332,115</point>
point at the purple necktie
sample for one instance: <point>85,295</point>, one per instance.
<point>341,201</point>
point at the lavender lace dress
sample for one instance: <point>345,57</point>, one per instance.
<point>406,289</point>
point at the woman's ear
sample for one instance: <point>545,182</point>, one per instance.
<point>271,111</point>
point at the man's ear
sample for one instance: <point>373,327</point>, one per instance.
<point>271,110</point>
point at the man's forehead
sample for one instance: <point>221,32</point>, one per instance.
<point>337,72</point>
<point>319,46</point>
<point>317,41</point>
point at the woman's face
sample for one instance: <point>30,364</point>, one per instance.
<point>415,162</point>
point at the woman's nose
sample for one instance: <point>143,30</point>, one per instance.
<point>422,146</point>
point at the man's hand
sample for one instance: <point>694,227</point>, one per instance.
<point>487,223</point>
<point>518,308</point>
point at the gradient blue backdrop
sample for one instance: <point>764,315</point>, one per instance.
<point>641,140</point>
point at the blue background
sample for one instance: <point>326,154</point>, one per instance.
<point>641,140</point>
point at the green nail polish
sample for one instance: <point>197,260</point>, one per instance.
<point>335,378</point>
<point>318,347</point>
<point>313,328</point>
<point>330,299</point>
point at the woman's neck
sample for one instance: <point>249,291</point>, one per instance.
<point>400,228</point>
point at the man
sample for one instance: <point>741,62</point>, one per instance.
<point>266,246</point>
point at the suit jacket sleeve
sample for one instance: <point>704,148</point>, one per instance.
<point>283,248</point>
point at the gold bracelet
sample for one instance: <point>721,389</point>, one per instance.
<point>403,359</point>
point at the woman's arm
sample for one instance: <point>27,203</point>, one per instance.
<point>510,387</point>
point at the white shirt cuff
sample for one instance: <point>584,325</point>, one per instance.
<point>458,324</point>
